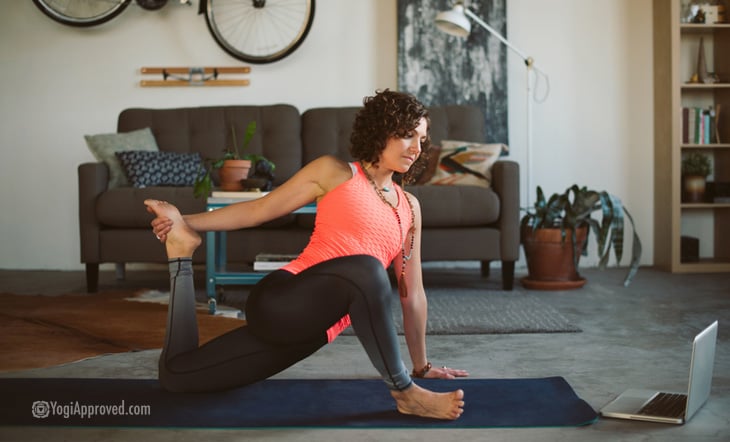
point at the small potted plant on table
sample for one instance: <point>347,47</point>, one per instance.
<point>555,233</point>
<point>235,168</point>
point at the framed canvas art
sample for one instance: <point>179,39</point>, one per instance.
<point>441,69</point>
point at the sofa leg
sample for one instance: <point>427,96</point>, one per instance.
<point>485,268</point>
<point>92,277</point>
<point>121,271</point>
<point>508,275</point>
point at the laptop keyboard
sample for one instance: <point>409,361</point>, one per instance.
<point>665,405</point>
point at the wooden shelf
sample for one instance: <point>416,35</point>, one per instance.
<point>675,60</point>
<point>705,205</point>
<point>702,27</point>
<point>706,86</point>
<point>703,266</point>
<point>706,146</point>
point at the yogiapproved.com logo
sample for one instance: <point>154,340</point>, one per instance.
<point>41,409</point>
<point>45,409</point>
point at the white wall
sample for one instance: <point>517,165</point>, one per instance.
<point>60,83</point>
<point>596,127</point>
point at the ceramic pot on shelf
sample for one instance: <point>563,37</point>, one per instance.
<point>694,188</point>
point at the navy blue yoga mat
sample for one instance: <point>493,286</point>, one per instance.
<point>284,403</point>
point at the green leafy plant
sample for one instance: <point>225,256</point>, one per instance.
<point>573,209</point>
<point>696,164</point>
<point>234,153</point>
<point>204,182</point>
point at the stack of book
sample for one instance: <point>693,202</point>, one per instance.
<point>266,262</point>
<point>242,195</point>
<point>699,125</point>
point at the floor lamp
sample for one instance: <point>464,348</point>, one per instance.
<point>455,22</point>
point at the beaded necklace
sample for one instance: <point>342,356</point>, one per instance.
<point>402,288</point>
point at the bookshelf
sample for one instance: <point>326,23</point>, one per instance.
<point>676,52</point>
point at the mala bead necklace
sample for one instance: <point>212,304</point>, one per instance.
<point>402,288</point>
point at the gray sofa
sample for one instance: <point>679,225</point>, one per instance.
<point>459,222</point>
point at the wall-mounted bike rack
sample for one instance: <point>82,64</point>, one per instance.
<point>194,76</point>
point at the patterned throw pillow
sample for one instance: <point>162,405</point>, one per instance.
<point>466,163</point>
<point>146,169</point>
<point>104,146</point>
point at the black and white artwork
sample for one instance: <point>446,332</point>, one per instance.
<point>441,69</point>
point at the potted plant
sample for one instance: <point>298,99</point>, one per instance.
<point>695,169</point>
<point>262,173</point>
<point>234,168</point>
<point>556,230</point>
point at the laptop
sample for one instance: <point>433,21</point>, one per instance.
<point>672,408</point>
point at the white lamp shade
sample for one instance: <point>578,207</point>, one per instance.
<point>454,22</point>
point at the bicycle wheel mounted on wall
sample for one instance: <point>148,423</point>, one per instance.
<point>258,31</point>
<point>81,13</point>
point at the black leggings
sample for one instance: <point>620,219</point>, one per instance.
<point>287,319</point>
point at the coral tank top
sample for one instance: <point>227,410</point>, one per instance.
<point>352,220</point>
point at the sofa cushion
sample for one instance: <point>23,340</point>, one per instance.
<point>466,163</point>
<point>104,146</point>
<point>326,131</point>
<point>456,206</point>
<point>123,207</point>
<point>146,169</point>
<point>208,130</point>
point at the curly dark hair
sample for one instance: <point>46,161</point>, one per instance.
<point>385,115</point>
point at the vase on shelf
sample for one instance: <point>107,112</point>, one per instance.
<point>694,188</point>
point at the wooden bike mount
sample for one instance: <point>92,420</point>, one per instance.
<point>194,76</point>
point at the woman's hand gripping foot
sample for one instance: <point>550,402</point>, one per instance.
<point>180,240</point>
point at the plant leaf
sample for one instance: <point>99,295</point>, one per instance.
<point>250,131</point>
<point>636,250</point>
<point>617,226</point>
<point>203,183</point>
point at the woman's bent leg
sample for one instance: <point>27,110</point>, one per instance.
<point>234,359</point>
<point>318,297</point>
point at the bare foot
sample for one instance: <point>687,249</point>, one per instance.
<point>181,241</point>
<point>421,402</point>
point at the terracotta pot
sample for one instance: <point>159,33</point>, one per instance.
<point>232,173</point>
<point>694,188</point>
<point>550,259</point>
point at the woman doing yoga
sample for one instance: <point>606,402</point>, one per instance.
<point>364,222</point>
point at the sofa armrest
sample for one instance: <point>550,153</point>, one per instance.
<point>93,181</point>
<point>506,183</point>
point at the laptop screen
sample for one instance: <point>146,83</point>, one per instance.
<point>701,367</point>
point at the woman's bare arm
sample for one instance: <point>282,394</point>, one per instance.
<point>309,184</point>
<point>415,305</point>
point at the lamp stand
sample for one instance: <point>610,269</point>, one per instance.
<point>530,65</point>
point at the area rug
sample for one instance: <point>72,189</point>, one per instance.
<point>42,331</point>
<point>542,402</point>
<point>455,311</point>
<point>462,311</point>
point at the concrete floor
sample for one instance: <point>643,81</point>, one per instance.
<point>638,336</point>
